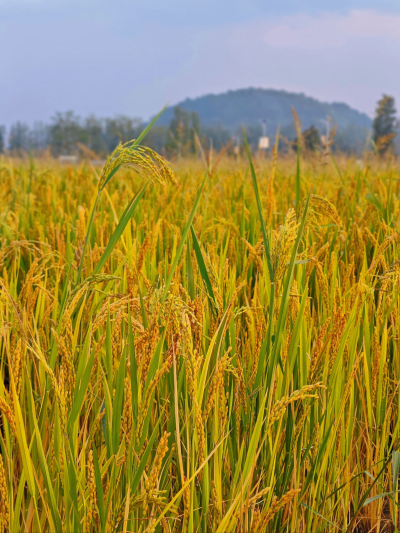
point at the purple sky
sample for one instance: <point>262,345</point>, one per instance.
<point>133,56</point>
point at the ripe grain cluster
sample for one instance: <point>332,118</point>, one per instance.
<point>197,351</point>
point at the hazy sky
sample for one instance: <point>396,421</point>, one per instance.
<point>133,56</point>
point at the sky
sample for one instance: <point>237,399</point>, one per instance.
<point>109,57</point>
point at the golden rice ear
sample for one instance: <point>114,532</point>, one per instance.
<point>283,244</point>
<point>146,161</point>
<point>4,496</point>
<point>91,510</point>
<point>276,505</point>
<point>318,209</point>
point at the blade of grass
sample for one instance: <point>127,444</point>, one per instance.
<point>395,474</point>
<point>44,467</point>
<point>183,240</point>
<point>202,266</point>
<point>120,229</point>
<point>298,177</point>
<point>267,253</point>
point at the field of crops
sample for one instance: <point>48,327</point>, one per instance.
<point>192,351</point>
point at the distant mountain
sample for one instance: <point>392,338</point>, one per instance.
<point>251,106</point>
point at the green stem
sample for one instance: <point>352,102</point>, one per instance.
<point>89,229</point>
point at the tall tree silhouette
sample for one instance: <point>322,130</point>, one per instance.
<point>384,124</point>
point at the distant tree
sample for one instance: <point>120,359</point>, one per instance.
<point>384,124</point>
<point>156,138</point>
<point>19,139</point>
<point>39,136</point>
<point>195,130</point>
<point>219,136</point>
<point>2,139</point>
<point>65,131</point>
<point>352,140</point>
<point>181,132</point>
<point>311,139</point>
<point>94,135</point>
<point>120,129</point>
<point>178,130</point>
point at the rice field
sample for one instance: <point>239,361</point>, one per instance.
<point>185,350</point>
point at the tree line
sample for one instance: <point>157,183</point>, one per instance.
<point>68,134</point>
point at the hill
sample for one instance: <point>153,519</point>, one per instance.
<point>250,106</point>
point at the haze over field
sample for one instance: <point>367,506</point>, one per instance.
<point>125,57</point>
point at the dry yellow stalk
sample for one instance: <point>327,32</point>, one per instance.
<point>201,439</point>
<point>69,375</point>
<point>332,264</point>
<point>339,324</point>
<point>216,383</point>
<point>280,406</point>
<point>91,508</point>
<point>161,451</point>
<point>4,500</point>
<point>255,254</point>
<point>216,506</point>
<point>240,388</point>
<point>31,304</point>
<point>223,409</point>
<point>27,287</point>
<point>283,244</point>
<point>318,346</point>
<point>391,239</point>
<point>191,357</point>
<point>116,340</point>
<point>16,366</point>
<point>46,315</point>
<point>299,425</point>
<point>314,448</point>
<point>144,346</point>
<point>126,427</point>
<point>322,282</point>
<point>277,505</point>
<point>186,508</point>
<point>63,398</point>
<point>8,414</point>
<point>81,224</point>
<point>256,522</point>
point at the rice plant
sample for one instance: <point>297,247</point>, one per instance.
<point>199,350</point>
